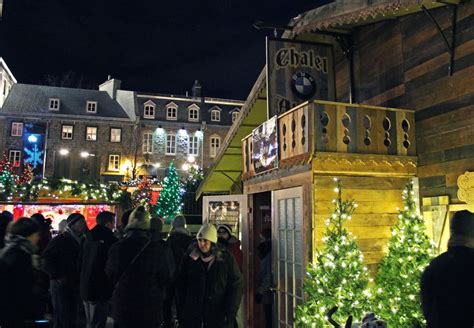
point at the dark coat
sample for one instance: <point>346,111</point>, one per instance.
<point>447,289</point>
<point>62,258</point>
<point>179,242</point>
<point>138,294</point>
<point>209,294</point>
<point>95,286</point>
<point>233,246</point>
<point>264,251</point>
<point>19,296</point>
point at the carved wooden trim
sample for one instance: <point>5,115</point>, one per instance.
<point>466,189</point>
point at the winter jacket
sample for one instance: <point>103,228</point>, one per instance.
<point>95,286</point>
<point>209,293</point>
<point>447,289</point>
<point>62,258</point>
<point>179,240</point>
<point>20,298</point>
<point>138,293</point>
<point>233,246</point>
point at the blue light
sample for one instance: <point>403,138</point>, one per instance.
<point>32,138</point>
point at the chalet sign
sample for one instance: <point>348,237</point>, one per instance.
<point>265,146</point>
<point>298,72</point>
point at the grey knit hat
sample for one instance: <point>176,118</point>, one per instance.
<point>139,219</point>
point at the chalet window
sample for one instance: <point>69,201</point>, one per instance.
<point>115,135</point>
<point>91,107</point>
<point>147,143</point>
<point>67,132</point>
<point>193,146</point>
<point>14,156</point>
<point>215,115</point>
<point>170,144</point>
<point>91,133</point>
<point>17,129</point>
<point>114,162</point>
<point>215,145</point>
<point>53,104</point>
<point>149,111</point>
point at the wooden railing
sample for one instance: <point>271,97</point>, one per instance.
<point>323,126</point>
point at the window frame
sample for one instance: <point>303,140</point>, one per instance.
<point>235,114</point>
<point>94,103</point>
<point>213,150</point>
<point>112,159</point>
<point>62,131</point>
<point>193,108</point>
<point>152,108</point>
<point>120,135</point>
<point>15,123</point>
<point>172,136</point>
<point>218,115</point>
<point>52,102</point>
<point>96,132</point>
<point>15,152</point>
<point>190,143</point>
<point>148,144</point>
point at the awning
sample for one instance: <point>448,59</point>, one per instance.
<point>228,164</point>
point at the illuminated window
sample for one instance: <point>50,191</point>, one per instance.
<point>67,132</point>
<point>115,134</point>
<point>91,133</point>
<point>114,162</point>
<point>17,129</point>
<point>193,146</point>
<point>14,156</point>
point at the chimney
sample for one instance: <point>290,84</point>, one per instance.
<point>196,89</point>
<point>111,86</point>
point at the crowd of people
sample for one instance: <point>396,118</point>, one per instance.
<point>136,274</point>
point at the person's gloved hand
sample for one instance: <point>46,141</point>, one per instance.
<point>258,298</point>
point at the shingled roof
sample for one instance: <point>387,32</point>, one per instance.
<point>34,99</point>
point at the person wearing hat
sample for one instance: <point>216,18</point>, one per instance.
<point>137,268</point>
<point>447,284</point>
<point>209,284</point>
<point>45,231</point>
<point>225,237</point>
<point>178,240</point>
<point>62,263</point>
<point>20,300</point>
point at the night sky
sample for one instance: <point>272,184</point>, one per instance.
<point>149,45</point>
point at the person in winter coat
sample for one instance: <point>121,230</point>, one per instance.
<point>447,284</point>
<point>96,290</point>
<point>178,240</point>
<point>210,284</point>
<point>137,268</point>
<point>263,293</point>
<point>19,300</point>
<point>120,232</point>
<point>45,231</point>
<point>225,237</point>
<point>62,257</point>
<point>4,221</point>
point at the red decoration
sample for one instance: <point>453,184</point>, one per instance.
<point>91,214</point>
<point>154,197</point>
<point>18,211</point>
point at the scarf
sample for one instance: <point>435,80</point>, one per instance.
<point>208,260</point>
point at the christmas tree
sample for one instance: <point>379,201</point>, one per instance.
<point>338,277</point>
<point>169,203</point>
<point>397,298</point>
<point>142,195</point>
<point>8,179</point>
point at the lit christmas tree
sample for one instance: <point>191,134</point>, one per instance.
<point>169,203</point>
<point>142,195</point>
<point>27,175</point>
<point>397,298</point>
<point>338,277</point>
<point>8,179</point>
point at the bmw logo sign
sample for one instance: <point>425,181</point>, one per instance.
<point>303,85</point>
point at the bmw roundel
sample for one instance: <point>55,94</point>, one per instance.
<point>303,85</point>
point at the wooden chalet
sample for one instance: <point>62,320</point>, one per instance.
<point>402,108</point>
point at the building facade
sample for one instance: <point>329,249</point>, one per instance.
<point>109,134</point>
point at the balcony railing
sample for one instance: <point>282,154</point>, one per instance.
<point>323,126</point>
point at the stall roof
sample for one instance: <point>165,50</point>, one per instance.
<point>227,166</point>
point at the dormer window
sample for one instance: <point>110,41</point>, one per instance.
<point>193,113</point>
<point>91,107</point>
<point>172,111</point>
<point>216,115</point>
<point>235,114</point>
<point>53,104</point>
<point>149,110</point>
